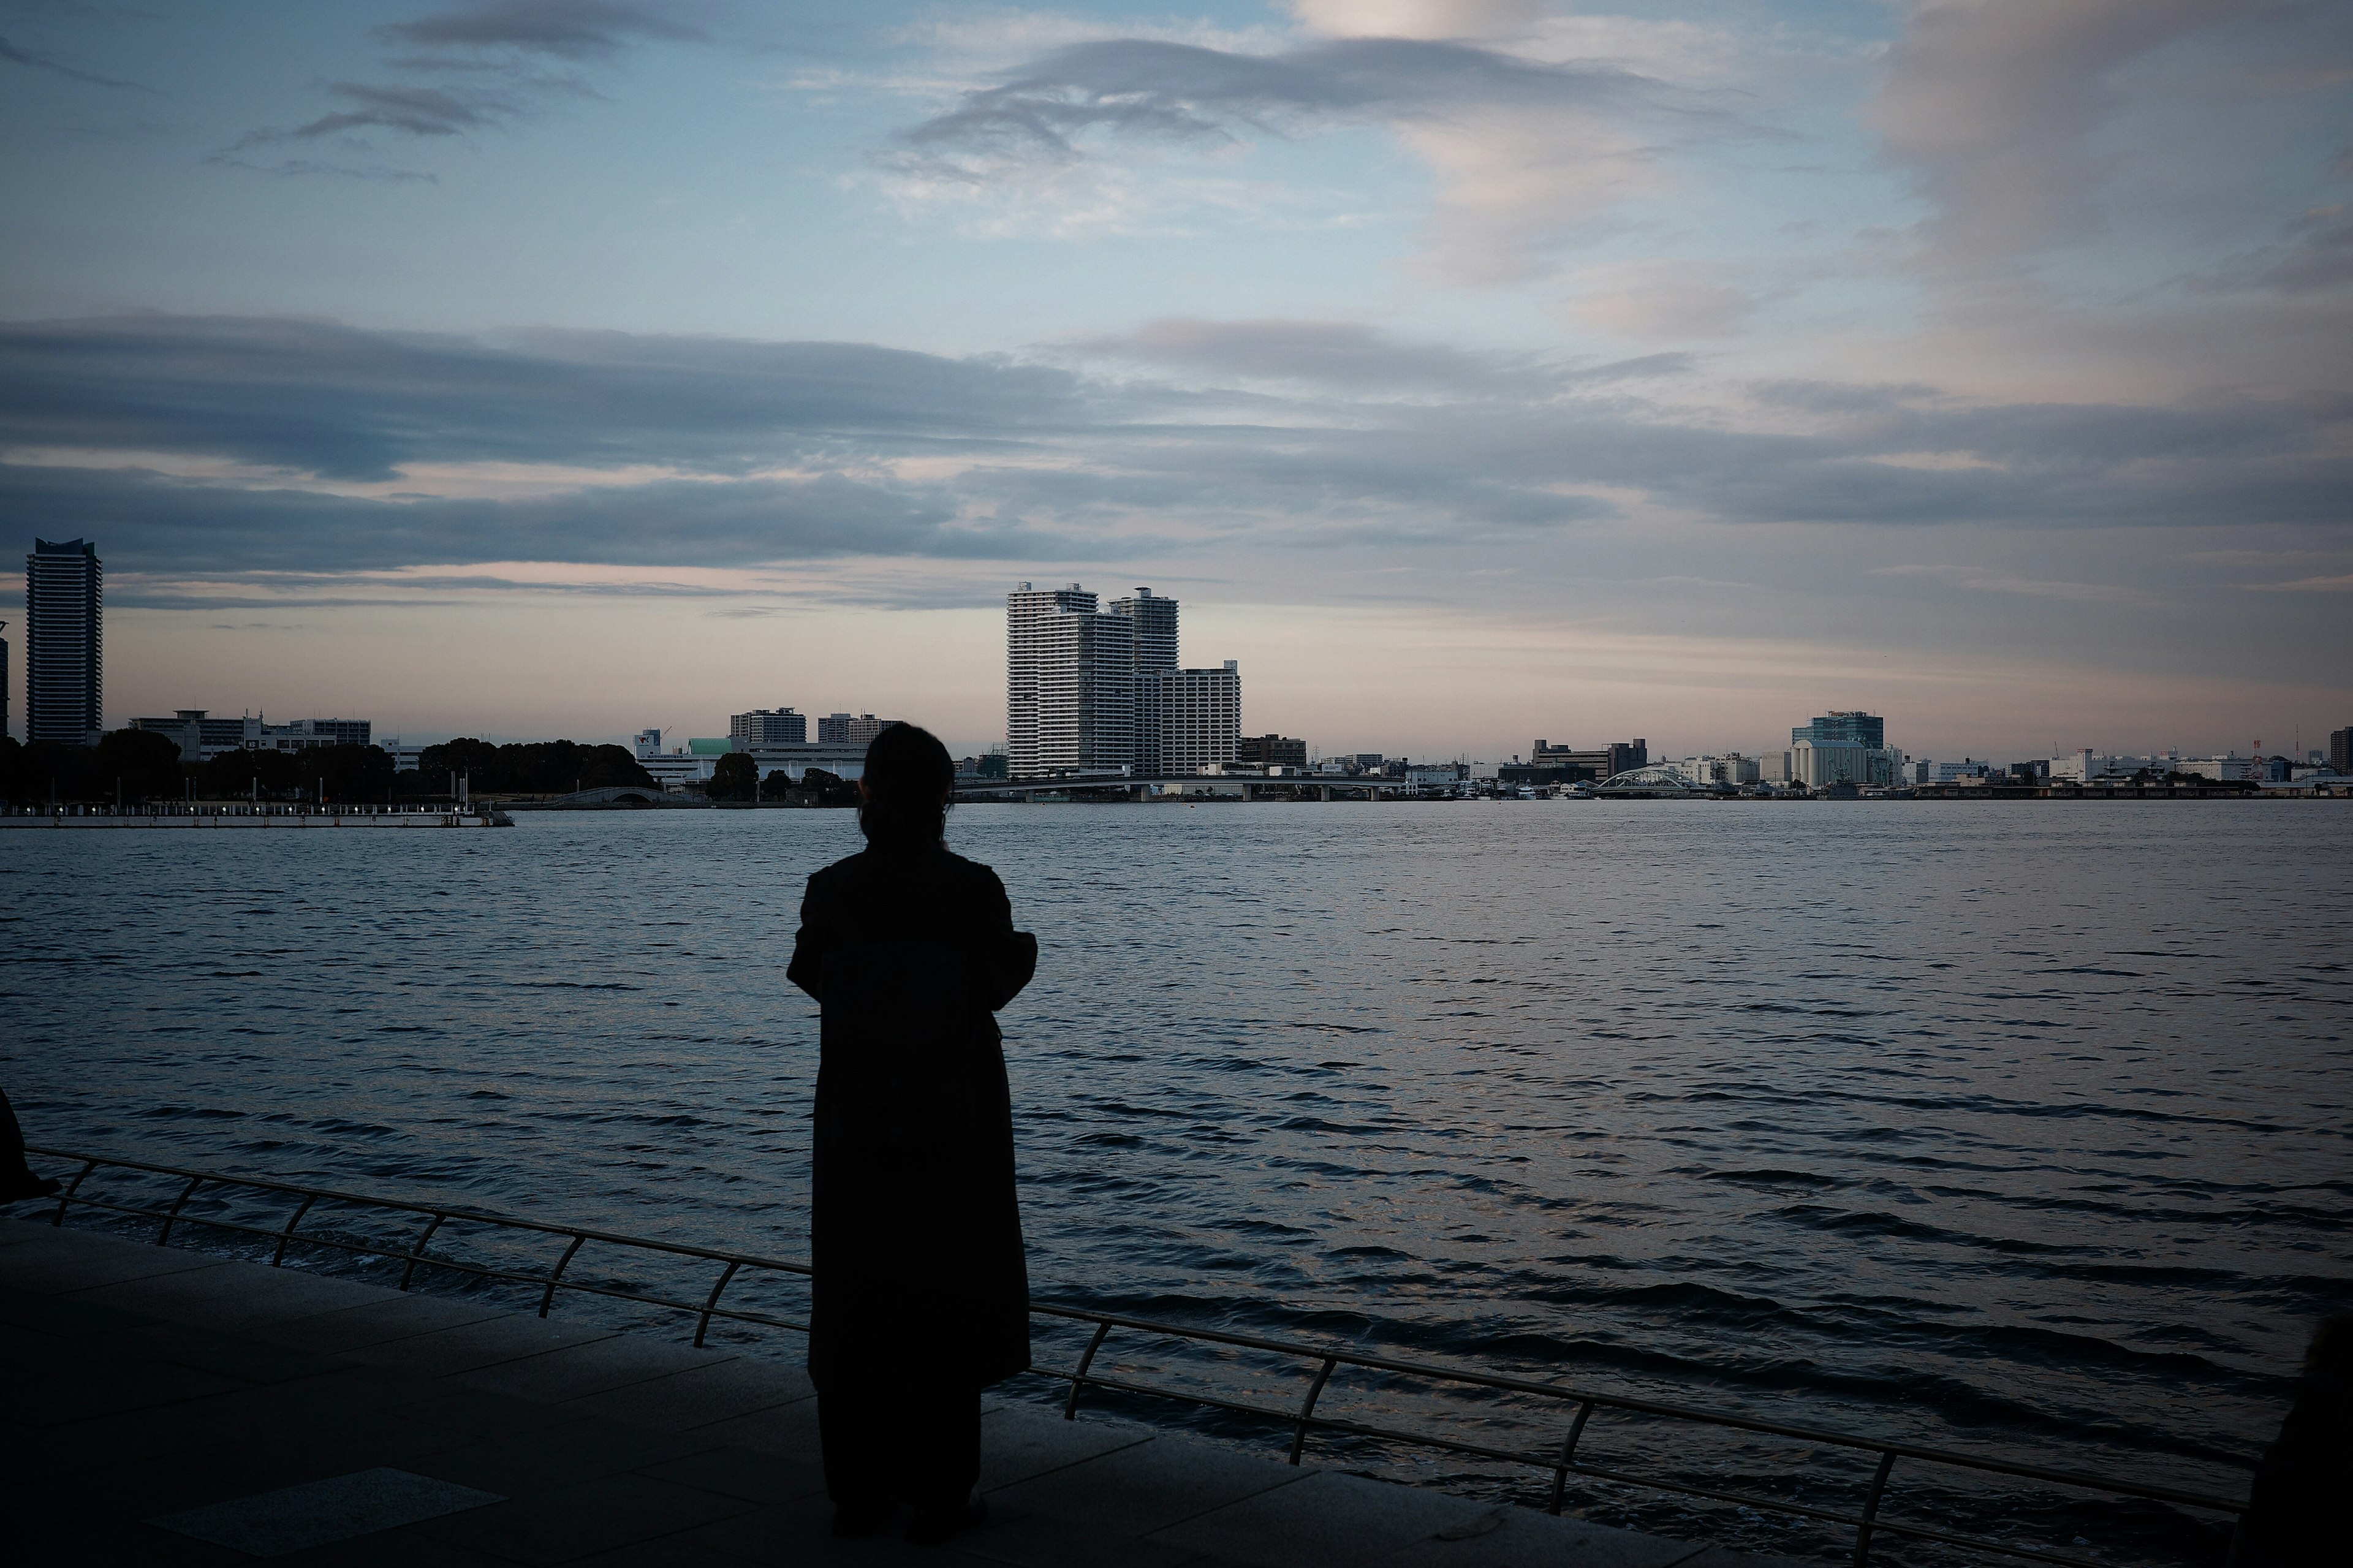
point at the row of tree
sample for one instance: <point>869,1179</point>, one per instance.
<point>736,777</point>
<point>137,765</point>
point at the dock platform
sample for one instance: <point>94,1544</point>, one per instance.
<point>172,1406</point>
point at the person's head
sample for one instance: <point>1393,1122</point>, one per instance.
<point>903,796</point>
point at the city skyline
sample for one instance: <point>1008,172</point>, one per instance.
<point>1474,369</point>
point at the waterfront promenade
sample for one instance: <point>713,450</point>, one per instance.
<point>172,1407</point>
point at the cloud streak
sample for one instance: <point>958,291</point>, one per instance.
<point>568,30</point>
<point>1303,435</point>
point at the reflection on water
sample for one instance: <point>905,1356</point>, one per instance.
<point>2017,1127</point>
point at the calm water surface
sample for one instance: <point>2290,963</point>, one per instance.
<point>2022,1128</point>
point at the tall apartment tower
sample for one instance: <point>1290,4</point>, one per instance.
<point>1154,620</point>
<point>64,663</point>
<point>3,681</point>
<point>1070,683</point>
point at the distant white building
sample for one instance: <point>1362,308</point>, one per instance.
<point>2226,767</point>
<point>837,730</point>
<point>1819,766</point>
<point>1200,715</point>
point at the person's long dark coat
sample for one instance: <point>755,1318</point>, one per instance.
<point>916,1235</point>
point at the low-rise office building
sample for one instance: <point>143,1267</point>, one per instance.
<point>200,735</point>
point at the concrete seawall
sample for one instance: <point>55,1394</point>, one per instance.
<point>168,1406</point>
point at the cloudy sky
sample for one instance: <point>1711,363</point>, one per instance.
<point>1470,370</point>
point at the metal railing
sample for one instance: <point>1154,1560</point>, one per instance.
<point>1302,1419</point>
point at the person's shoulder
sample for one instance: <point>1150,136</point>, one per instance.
<point>845,869</point>
<point>973,871</point>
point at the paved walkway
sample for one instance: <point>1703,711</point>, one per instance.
<point>163,1405</point>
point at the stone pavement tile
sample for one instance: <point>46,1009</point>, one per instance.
<point>53,1382</point>
<point>470,1346</point>
<point>595,1516</point>
<point>66,1260</point>
<point>65,1482</point>
<point>225,1354</point>
<point>694,1399</point>
<point>1327,1521</point>
<point>768,1479</point>
<point>1724,1557</point>
<point>1031,1540</point>
<point>1149,1486</point>
<point>1021,1441</point>
<point>17,1222</point>
<point>555,1458</point>
<point>232,1296</point>
<point>578,1371</point>
<point>321,1512</point>
<point>800,1533</point>
<point>667,1552</point>
<point>67,1316</point>
<point>1523,1537</point>
<point>390,1549</point>
<point>384,1316</point>
<point>260,1415</point>
<point>788,1431</point>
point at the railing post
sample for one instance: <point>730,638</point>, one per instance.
<point>702,1323</point>
<point>171,1218</point>
<point>1079,1381</point>
<point>547,1297</point>
<point>1307,1408</point>
<point>58,1220</point>
<point>1568,1454</point>
<point>418,1251</point>
<point>1870,1508</point>
<point>287,1235</point>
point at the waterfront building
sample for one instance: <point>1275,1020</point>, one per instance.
<point>647,743</point>
<point>845,730</point>
<point>767,727</point>
<point>2340,750</point>
<point>2228,766</point>
<point>1819,765</point>
<point>1272,751</point>
<point>1570,765</point>
<point>405,758</point>
<point>201,736</point>
<point>306,732</point>
<point>1851,728</point>
<point>1099,690</point>
<point>1070,698</point>
<point>65,664</point>
<point>3,681</point>
<point>1153,622</point>
<point>1731,768</point>
<point>1199,714</point>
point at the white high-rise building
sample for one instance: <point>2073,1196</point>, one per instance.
<point>1094,690</point>
<point>1154,620</point>
<point>1200,714</point>
<point>1069,697</point>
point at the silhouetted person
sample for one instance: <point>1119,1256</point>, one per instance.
<point>921,1294</point>
<point>2302,1513</point>
<point>16,1179</point>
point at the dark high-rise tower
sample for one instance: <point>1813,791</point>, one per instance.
<point>3,681</point>
<point>65,666</point>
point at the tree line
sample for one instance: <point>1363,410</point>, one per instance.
<point>139,766</point>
